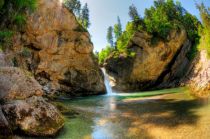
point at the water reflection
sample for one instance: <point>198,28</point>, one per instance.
<point>114,117</point>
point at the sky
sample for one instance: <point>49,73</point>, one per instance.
<point>103,13</point>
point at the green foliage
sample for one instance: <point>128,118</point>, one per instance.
<point>104,54</point>
<point>205,30</point>
<point>22,4</point>
<point>6,34</point>
<point>82,14</point>
<point>133,13</point>
<point>84,17</point>
<point>26,52</point>
<point>164,16</point>
<point>118,28</point>
<point>20,20</point>
<point>159,20</point>
<point>124,39</point>
<point>191,25</point>
<point>193,52</point>
<point>13,18</point>
<point>5,39</point>
<point>74,6</point>
<point>109,36</point>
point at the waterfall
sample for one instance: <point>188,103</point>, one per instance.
<point>107,83</point>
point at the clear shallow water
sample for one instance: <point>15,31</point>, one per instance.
<point>134,116</point>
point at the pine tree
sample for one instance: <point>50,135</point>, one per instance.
<point>110,36</point>
<point>74,6</point>
<point>118,28</point>
<point>133,13</point>
<point>84,17</point>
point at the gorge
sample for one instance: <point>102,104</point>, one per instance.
<point>151,81</point>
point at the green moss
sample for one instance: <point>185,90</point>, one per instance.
<point>193,52</point>
<point>26,52</point>
<point>80,28</point>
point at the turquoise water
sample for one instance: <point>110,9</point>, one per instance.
<point>171,114</point>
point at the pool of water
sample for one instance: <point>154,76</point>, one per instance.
<point>137,116</point>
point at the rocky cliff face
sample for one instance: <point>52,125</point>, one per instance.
<point>58,51</point>
<point>158,64</point>
<point>198,77</point>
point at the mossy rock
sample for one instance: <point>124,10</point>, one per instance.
<point>34,116</point>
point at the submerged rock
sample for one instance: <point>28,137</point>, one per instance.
<point>34,116</point>
<point>58,51</point>
<point>157,63</point>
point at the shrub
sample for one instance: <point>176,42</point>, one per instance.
<point>159,20</point>
<point>12,18</point>
<point>104,54</point>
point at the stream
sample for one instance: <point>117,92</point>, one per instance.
<point>169,113</point>
<point>161,114</point>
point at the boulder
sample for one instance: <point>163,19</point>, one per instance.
<point>34,116</point>
<point>59,51</point>
<point>17,84</point>
<point>157,63</point>
<point>23,106</point>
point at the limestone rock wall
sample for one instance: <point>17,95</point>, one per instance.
<point>198,77</point>
<point>58,51</point>
<point>158,64</point>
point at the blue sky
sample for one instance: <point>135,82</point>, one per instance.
<point>103,13</point>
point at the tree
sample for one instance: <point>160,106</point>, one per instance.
<point>74,6</point>
<point>118,28</point>
<point>104,54</point>
<point>84,17</point>
<point>205,30</point>
<point>164,16</point>
<point>13,18</point>
<point>110,36</point>
<point>133,13</point>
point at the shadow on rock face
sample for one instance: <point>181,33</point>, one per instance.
<point>5,131</point>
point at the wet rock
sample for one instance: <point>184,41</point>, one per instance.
<point>33,116</point>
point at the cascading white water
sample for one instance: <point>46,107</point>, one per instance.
<point>107,83</point>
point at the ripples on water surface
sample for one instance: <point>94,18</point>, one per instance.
<point>132,116</point>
